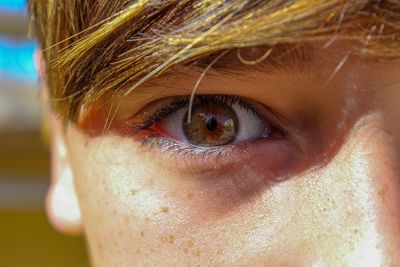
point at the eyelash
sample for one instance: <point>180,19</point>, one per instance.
<point>184,102</point>
<point>152,139</point>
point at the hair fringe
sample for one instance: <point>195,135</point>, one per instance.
<point>97,47</point>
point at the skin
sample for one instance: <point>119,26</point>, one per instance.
<point>327,194</point>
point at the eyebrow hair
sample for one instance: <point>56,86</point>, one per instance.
<point>282,58</point>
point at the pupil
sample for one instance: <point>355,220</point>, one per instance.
<point>212,124</point>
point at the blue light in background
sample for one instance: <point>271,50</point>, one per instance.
<point>12,5</point>
<point>16,58</point>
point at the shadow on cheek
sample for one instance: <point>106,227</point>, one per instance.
<point>225,190</point>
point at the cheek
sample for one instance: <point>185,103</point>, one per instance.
<point>125,214</point>
<point>134,212</point>
<point>137,213</point>
<point>132,215</point>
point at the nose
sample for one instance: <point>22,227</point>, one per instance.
<point>372,158</point>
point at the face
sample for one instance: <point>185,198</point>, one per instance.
<point>292,164</point>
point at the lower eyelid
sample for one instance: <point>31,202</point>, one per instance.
<point>193,159</point>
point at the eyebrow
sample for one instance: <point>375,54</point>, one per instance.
<point>283,58</point>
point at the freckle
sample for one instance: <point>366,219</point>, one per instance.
<point>186,250</point>
<point>165,209</point>
<point>114,212</point>
<point>138,251</point>
<point>152,250</point>
<point>190,243</point>
<point>142,233</point>
<point>171,239</point>
<point>196,253</point>
<point>134,192</point>
<point>146,220</point>
<point>382,192</point>
<point>189,195</point>
<point>168,239</point>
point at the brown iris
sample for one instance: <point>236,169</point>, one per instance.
<point>211,125</point>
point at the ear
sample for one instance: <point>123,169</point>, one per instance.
<point>61,203</point>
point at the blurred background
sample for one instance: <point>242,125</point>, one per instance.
<point>26,238</point>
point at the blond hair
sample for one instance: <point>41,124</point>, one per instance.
<point>98,47</point>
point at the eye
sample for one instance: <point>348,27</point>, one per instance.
<point>215,123</point>
<point>212,121</point>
